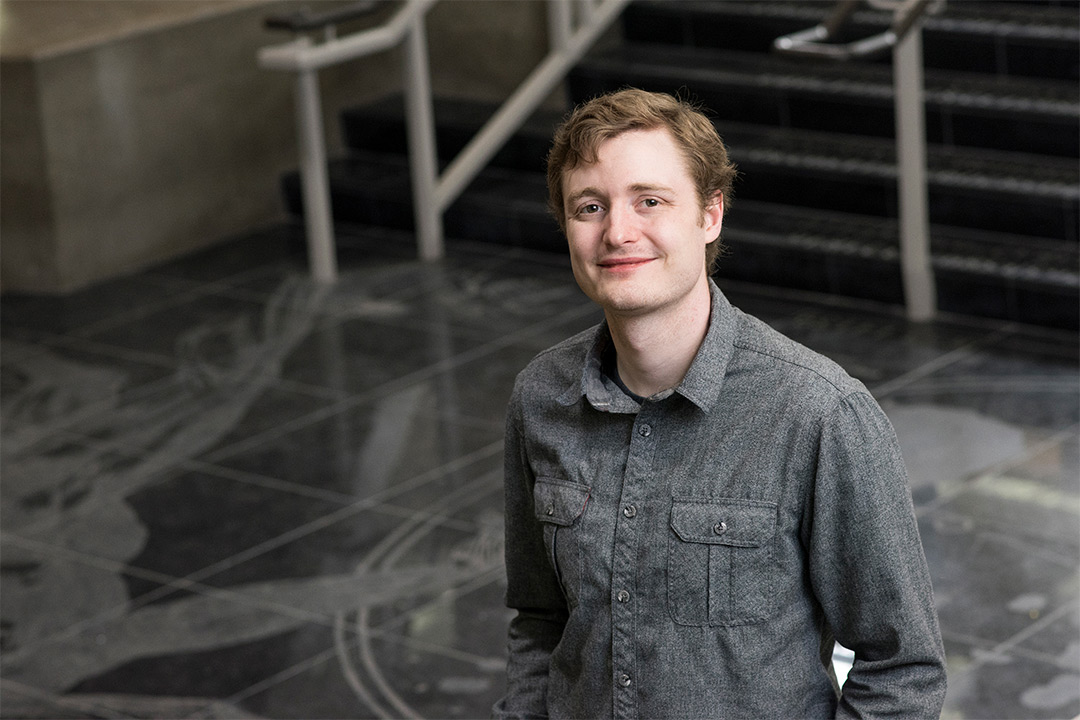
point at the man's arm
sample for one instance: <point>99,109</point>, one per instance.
<point>532,589</point>
<point>869,571</point>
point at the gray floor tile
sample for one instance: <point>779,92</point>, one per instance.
<point>230,492</point>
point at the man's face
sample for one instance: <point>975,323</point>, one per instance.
<point>635,226</point>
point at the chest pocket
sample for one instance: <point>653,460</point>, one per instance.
<point>720,561</point>
<point>558,506</point>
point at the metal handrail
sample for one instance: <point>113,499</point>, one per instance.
<point>904,38</point>
<point>305,18</point>
<point>570,38</point>
<point>301,54</point>
<point>817,41</point>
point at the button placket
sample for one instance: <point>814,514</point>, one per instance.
<point>637,483</point>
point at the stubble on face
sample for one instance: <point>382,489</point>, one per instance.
<point>635,226</point>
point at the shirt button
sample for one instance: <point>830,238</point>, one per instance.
<point>623,596</point>
<point>629,511</point>
<point>645,430</point>
<point>624,680</point>
<point>720,528</point>
<point>550,510</point>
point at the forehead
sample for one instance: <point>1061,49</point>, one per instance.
<point>633,157</point>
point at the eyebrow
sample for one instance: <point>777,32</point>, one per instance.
<point>636,188</point>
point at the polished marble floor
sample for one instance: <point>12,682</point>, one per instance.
<point>228,492</point>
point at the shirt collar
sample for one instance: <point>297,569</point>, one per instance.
<point>702,382</point>
<point>705,377</point>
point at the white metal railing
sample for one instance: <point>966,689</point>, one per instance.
<point>904,38</point>
<point>573,26</point>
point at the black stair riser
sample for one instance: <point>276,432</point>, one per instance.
<point>373,133</point>
<point>869,116</point>
<point>805,269</point>
<point>982,296</point>
<point>381,129</point>
<point>483,214</point>
<point>722,25</point>
<point>842,189</point>
<point>526,225</point>
<point>998,211</point>
<point>814,144</point>
<point>847,188</point>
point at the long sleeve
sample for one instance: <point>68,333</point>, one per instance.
<point>532,590</point>
<point>869,571</point>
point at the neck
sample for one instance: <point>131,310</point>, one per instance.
<point>655,350</point>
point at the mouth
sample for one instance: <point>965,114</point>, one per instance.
<point>624,264</point>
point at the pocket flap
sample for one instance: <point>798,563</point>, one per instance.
<point>559,502</point>
<point>739,523</point>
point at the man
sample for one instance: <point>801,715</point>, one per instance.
<point>697,506</point>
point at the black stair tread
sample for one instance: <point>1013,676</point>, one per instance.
<point>1024,40</point>
<point>859,81</point>
<point>380,126</point>
<point>973,168</point>
<point>383,178</point>
<point>1019,278</point>
<point>389,173</point>
<point>836,233</point>
<point>464,111</point>
<point>500,205</point>
<point>994,20</point>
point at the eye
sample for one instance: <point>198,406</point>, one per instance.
<point>651,202</point>
<point>589,209</point>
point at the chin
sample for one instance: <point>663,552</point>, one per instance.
<point>624,305</point>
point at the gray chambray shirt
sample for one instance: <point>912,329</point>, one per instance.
<point>696,555</point>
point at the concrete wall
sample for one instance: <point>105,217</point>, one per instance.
<point>140,135</point>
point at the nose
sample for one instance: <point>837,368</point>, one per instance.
<point>620,226</point>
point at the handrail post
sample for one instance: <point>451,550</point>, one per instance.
<point>905,38</point>
<point>314,183</point>
<point>920,292</point>
<point>423,156</point>
<point>432,192</point>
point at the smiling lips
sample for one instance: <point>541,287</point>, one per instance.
<point>623,264</point>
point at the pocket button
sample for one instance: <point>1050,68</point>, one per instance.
<point>720,528</point>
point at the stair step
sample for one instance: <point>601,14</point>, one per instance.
<point>1030,259</point>
<point>1025,39</point>
<point>380,127</point>
<point>962,109</point>
<point>982,189</point>
<point>983,274</point>
<point>500,206</point>
<point>1020,278</point>
<point>992,190</point>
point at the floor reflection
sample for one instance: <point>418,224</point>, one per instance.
<point>234,493</point>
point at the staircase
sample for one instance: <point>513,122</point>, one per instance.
<point>815,204</point>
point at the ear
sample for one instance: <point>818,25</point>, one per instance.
<point>713,217</point>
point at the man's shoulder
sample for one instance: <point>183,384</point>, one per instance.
<point>559,366</point>
<point>766,348</point>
